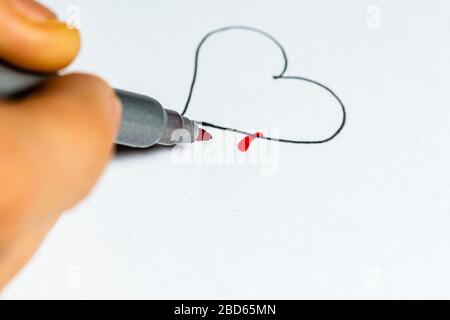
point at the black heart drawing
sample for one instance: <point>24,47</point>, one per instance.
<point>281,76</point>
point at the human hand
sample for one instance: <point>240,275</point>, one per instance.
<point>54,143</point>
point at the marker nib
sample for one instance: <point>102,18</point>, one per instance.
<point>203,135</point>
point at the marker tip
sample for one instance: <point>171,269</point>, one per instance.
<point>203,135</point>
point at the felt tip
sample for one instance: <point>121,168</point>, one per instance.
<point>203,135</point>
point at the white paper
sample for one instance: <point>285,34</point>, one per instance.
<point>363,216</point>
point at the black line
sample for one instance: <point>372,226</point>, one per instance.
<point>275,77</point>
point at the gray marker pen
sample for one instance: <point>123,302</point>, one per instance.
<point>144,121</point>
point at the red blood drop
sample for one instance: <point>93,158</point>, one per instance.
<point>244,144</point>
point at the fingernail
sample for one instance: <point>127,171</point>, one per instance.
<point>33,10</point>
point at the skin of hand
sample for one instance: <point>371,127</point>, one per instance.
<point>55,143</point>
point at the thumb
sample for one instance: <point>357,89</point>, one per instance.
<point>32,38</point>
<point>59,140</point>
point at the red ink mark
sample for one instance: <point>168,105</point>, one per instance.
<point>244,144</point>
<point>203,135</point>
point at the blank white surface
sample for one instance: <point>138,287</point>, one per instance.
<point>365,216</point>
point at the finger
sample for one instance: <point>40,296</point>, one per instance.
<point>56,144</point>
<point>33,9</point>
<point>32,38</point>
<point>21,251</point>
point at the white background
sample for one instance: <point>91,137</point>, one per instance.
<point>364,216</point>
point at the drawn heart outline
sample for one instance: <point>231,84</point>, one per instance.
<point>281,76</point>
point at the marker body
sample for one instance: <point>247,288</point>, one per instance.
<point>13,80</point>
<point>144,121</point>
